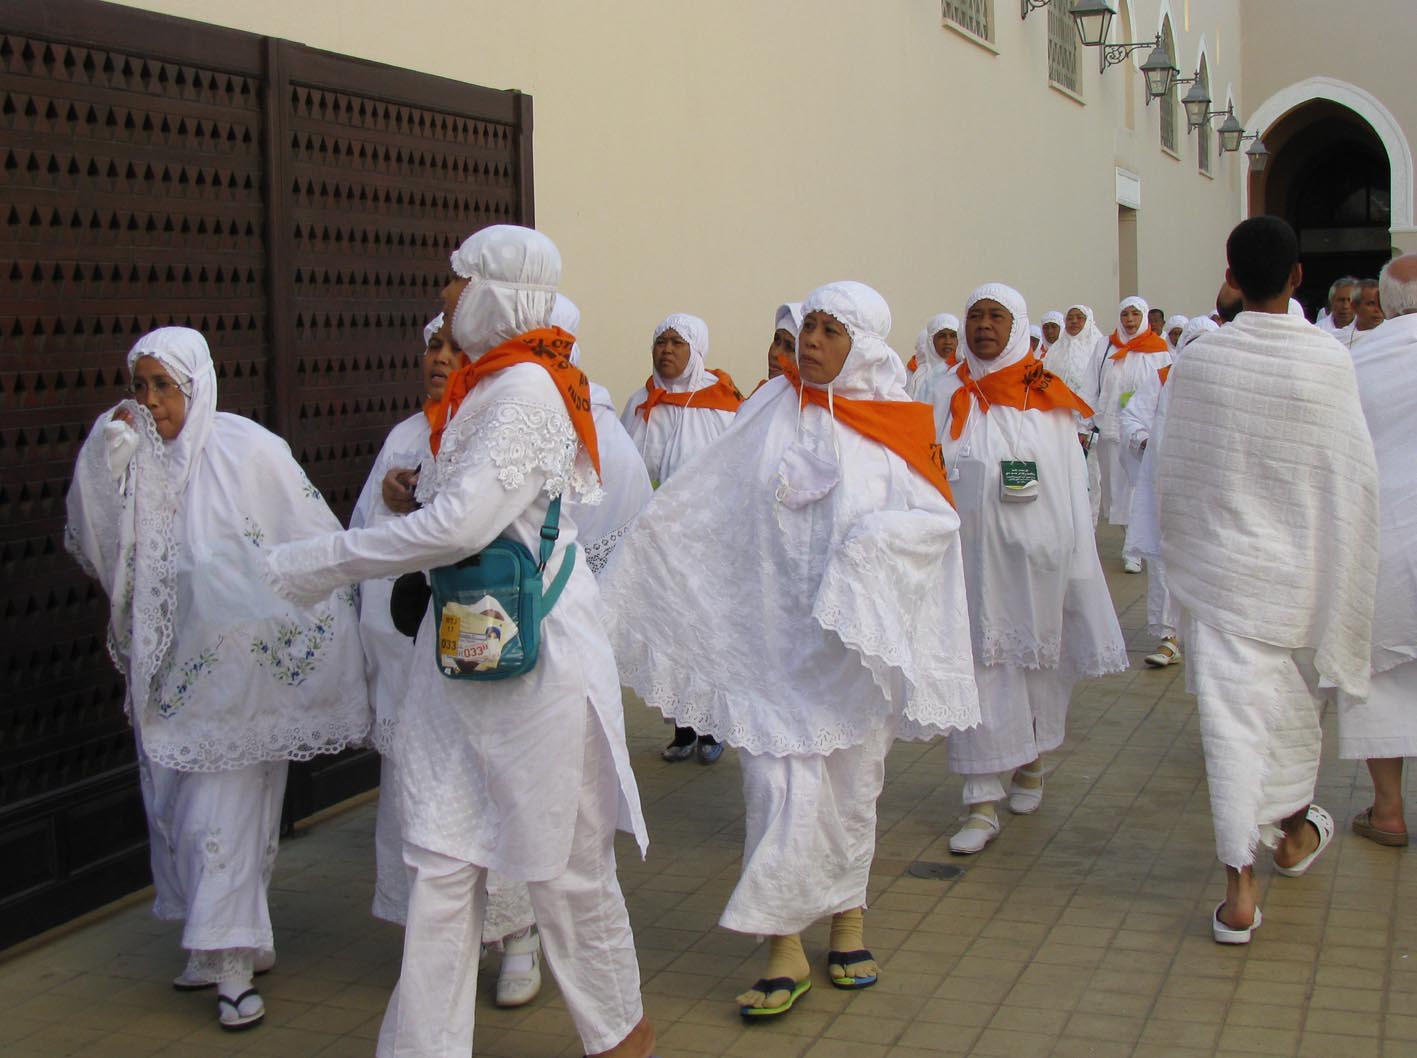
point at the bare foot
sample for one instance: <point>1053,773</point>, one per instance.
<point>638,1044</point>
<point>1296,845</point>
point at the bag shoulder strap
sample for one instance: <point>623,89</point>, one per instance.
<point>550,530</point>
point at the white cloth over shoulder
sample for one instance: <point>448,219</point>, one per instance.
<point>672,436</point>
<point>1386,368</point>
<point>1269,492</point>
<point>818,594</point>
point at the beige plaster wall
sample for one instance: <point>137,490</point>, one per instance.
<point>721,158</point>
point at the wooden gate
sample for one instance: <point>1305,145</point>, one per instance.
<point>298,208</point>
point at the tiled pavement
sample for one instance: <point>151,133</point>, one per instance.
<point>1082,930</point>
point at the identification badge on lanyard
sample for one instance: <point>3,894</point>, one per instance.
<point>1018,481</point>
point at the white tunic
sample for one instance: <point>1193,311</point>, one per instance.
<point>464,749</point>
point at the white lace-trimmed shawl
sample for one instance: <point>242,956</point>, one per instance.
<point>792,630</point>
<point>1038,598</point>
<point>1073,358</point>
<point>1386,367</point>
<point>1269,492</point>
<point>221,674</point>
<point>387,651</point>
<point>672,436</point>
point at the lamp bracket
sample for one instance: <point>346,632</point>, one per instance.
<point>1112,54</point>
<point>1025,6</point>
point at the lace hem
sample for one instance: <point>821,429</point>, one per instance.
<point>1021,649</point>
<point>154,605</point>
<point>239,750</point>
<point>381,735</point>
<point>517,438</point>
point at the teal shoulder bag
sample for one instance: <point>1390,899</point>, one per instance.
<point>488,607</point>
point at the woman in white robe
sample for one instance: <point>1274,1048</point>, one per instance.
<point>1041,617</point>
<point>937,354</point>
<point>1124,358</point>
<point>172,508</point>
<point>1143,421</point>
<point>1073,358</point>
<point>789,621</point>
<point>467,752</point>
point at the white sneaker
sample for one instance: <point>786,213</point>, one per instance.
<point>519,979</point>
<point>1131,565</point>
<point>978,830</point>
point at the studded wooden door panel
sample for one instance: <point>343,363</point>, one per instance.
<point>296,207</point>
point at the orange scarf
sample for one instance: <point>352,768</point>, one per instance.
<point>547,347</point>
<point>1026,385</point>
<point>1165,373</point>
<point>723,395</point>
<point>913,364</point>
<point>1145,342</point>
<point>906,427</point>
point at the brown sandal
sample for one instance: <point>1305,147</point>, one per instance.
<point>1363,827</point>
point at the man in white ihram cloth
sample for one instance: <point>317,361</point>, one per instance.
<point>809,615</point>
<point>171,509</point>
<point>513,432</point>
<point>1383,729</point>
<point>1269,533</point>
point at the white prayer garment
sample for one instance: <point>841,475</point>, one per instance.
<point>671,436</point>
<point>1386,368</point>
<point>225,681</point>
<point>930,362</point>
<point>1171,324</point>
<point>468,753</point>
<point>1073,358</point>
<point>1037,596</point>
<point>1056,318</point>
<point>1143,420</point>
<point>789,619</point>
<point>1269,533</point>
<point>1119,379</point>
<point>623,477</point>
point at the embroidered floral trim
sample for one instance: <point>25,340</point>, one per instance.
<point>518,438</point>
<point>598,552</point>
<point>294,651</point>
<point>251,531</point>
<point>170,703</point>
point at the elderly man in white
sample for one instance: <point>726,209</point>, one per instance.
<point>1269,533</point>
<point>1383,729</point>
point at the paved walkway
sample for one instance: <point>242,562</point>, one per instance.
<point>1082,930</point>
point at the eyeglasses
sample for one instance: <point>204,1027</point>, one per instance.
<point>162,388</point>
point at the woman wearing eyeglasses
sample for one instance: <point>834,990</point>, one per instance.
<point>172,507</point>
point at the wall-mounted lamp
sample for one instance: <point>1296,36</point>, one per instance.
<point>1197,104</point>
<point>1256,152</point>
<point>1093,19</point>
<point>1025,6</point>
<point>1230,131</point>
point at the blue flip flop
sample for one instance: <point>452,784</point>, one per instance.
<point>767,986</point>
<point>842,958</point>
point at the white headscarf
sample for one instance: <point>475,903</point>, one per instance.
<point>788,318</point>
<point>944,321</point>
<point>1194,328</point>
<point>928,362</point>
<point>1035,333</point>
<point>431,328</point>
<point>1171,324</point>
<point>1053,316</point>
<point>1133,302</point>
<point>514,272</point>
<point>1070,356</point>
<point>566,315</point>
<point>922,350</point>
<point>1016,348</point>
<point>1296,309</point>
<point>694,331</point>
<point>873,370</point>
<point>183,352</point>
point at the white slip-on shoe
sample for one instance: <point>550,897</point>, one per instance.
<point>1131,565</point>
<point>1167,652</point>
<point>519,979</point>
<point>978,830</point>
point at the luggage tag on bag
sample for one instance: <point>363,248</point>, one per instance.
<point>471,638</point>
<point>1018,481</point>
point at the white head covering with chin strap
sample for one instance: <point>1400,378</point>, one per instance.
<point>431,328</point>
<point>673,435</point>
<point>183,352</point>
<point>1133,302</point>
<point>788,318</point>
<point>1171,324</point>
<point>928,362</point>
<point>1194,328</point>
<point>1016,347</point>
<point>1071,356</point>
<point>1053,316</point>
<point>513,272</point>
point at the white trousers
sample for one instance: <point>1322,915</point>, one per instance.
<point>1163,613</point>
<point>1260,711</point>
<point>508,902</point>
<point>585,933</point>
<point>1094,481</point>
<point>212,839</point>
<point>1023,712</point>
<point>1385,724</point>
<point>1116,486</point>
<point>811,836</point>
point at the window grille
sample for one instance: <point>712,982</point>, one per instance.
<point>975,16</point>
<point>1203,134</point>
<point>1063,48</point>
<point>1169,138</point>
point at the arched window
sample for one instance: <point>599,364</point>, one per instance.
<point>1169,139</point>
<point>1203,134</point>
<point>975,17</point>
<point>1063,48</point>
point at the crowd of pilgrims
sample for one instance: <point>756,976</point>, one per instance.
<point>861,550</point>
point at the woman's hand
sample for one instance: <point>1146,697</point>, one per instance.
<point>398,487</point>
<point>123,415</point>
